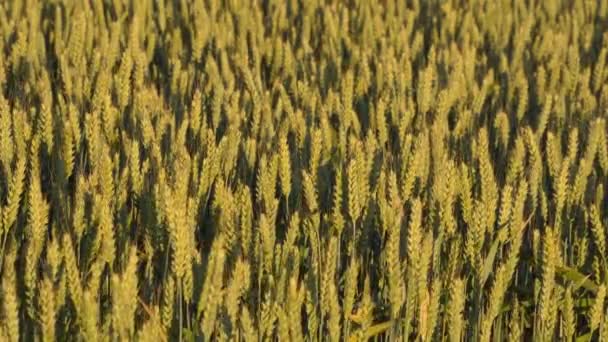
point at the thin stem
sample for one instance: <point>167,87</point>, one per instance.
<point>179,298</point>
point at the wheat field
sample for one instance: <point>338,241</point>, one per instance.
<point>303,170</point>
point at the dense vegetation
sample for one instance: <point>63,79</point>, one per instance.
<point>303,170</point>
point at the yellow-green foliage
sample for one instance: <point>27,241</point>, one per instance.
<point>303,170</point>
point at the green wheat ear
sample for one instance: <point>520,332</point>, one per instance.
<point>11,300</point>
<point>15,192</point>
